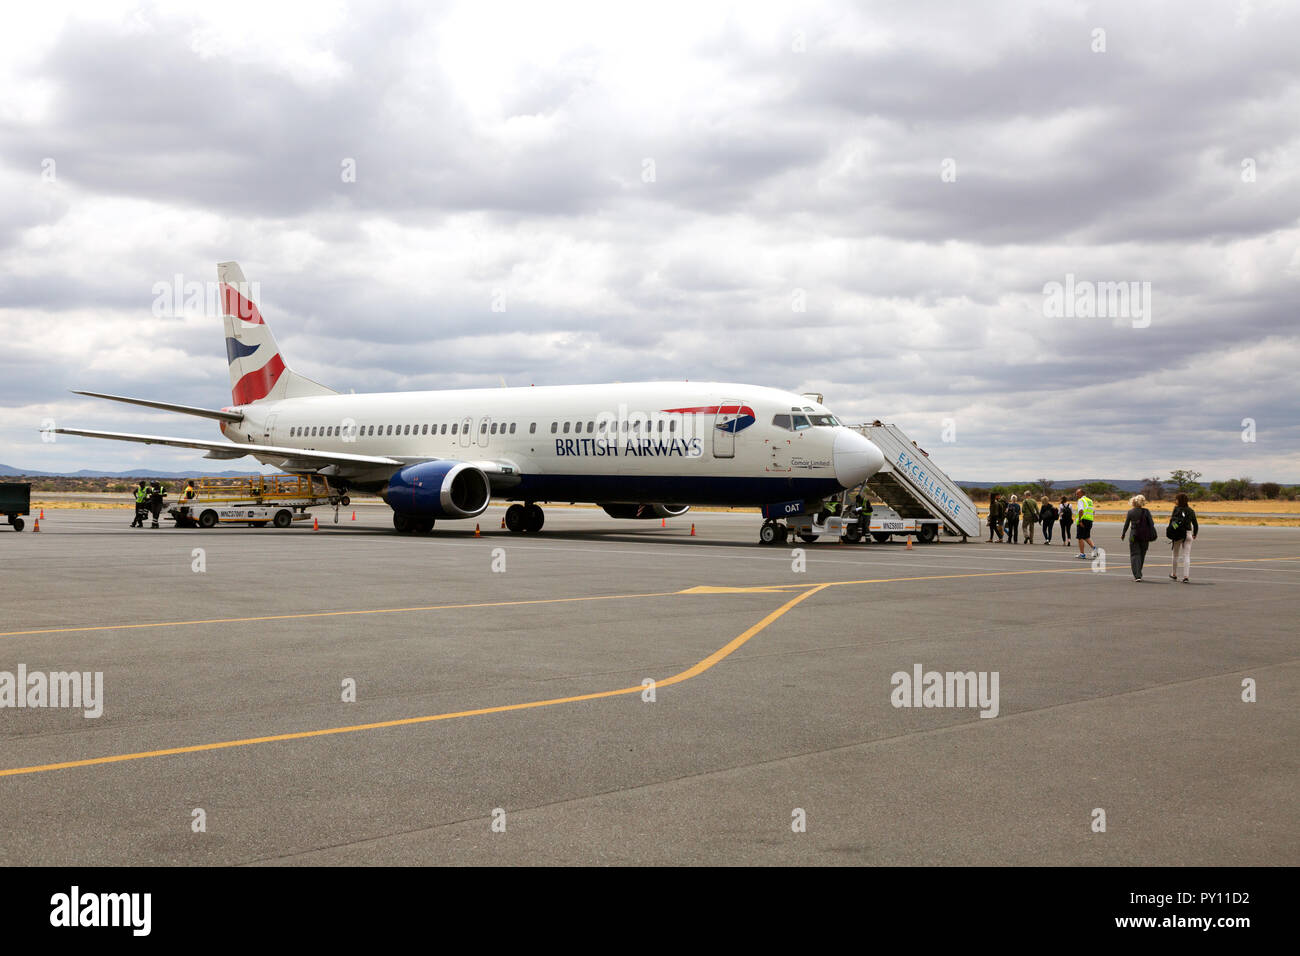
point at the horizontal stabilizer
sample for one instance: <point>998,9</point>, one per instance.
<point>225,449</point>
<point>221,416</point>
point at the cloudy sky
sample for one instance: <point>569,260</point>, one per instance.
<point>864,200</point>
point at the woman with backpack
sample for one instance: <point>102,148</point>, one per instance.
<point>1013,520</point>
<point>1067,519</point>
<point>1143,526</point>
<point>1047,515</point>
<point>1182,531</point>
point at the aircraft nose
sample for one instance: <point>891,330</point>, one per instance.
<point>856,458</point>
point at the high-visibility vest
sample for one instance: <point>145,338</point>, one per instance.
<point>189,493</point>
<point>140,495</point>
<point>1085,508</point>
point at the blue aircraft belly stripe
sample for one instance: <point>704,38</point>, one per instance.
<point>673,489</point>
<point>236,349</point>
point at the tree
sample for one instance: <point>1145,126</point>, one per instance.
<point>1153,488</point>
<point>1043,486</point>
<point>1185,480</point>
<point>1095,489</point>
<point>1270,489</point>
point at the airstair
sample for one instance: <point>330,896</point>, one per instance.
<point>915,487</point>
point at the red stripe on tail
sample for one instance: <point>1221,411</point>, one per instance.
<point>258,384</point>
<point>236,305</point>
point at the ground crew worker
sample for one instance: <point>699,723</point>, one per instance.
<point>156,495</point>
<point>1029,518</point>
<point>1083,531</point>
<point>864,516</point>
<point>141,496</point>
<point>830,506</point>
<point>188,495</point>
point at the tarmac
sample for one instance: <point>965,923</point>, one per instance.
<point>501,715</point>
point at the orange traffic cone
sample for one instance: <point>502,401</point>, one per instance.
<point>503,521</point>
<point>663,522</point>
<point>37,526</point>
<point>354,514</point>
<point>692,529</point>
<point>476,531</point>
<point>315,525</point>
<point>42,513</point>
<point>909,542</point>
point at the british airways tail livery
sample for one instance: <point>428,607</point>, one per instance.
<point>639,450</point>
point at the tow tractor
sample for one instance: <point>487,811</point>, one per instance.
<point>256,501</point>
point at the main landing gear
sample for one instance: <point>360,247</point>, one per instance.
<point>407,524</point>
<point>773,533</point>
<point>525,519</point>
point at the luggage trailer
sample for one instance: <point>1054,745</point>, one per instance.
<point>277,500</point>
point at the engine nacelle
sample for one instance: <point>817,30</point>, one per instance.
<point>623,510</point>
<point>439,489</point>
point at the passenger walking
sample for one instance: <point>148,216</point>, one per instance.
<point>1029,518</point>
<point>141,509</point>
<point>1182,531</point>
<point>1013,521</point>
<point>1067,519</point>
<point>996,511</point>
<point>1143,528</point>
<point>1084,531</point>
<point>1047,514</point>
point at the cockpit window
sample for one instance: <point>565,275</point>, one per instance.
<point>781,421</point>
<point>801,422</point>
<point>822,419</point>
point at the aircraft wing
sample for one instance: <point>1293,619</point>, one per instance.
<point>302,457</point>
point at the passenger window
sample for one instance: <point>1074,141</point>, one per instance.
<point>532,428</point>
<point>566,428</point>
<point>800,422</point>
<point>781,421</point>
<point>661,424</point>
<point>482,428</point>
<point>454,426</point>
<point>672,426</point>
<point>512,428</point>
<point>372,431</point>
<point>554,427</point>
<point>494,428</point>
<point>313,431</point>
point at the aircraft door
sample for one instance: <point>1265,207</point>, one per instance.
<point>729,419</point>
<point>465,425</point>
<point>270,424</point>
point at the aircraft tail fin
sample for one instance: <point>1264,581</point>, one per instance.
<point>257,371</point>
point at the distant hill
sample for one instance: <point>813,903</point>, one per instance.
<point>8,471</point>
<point>1123,484</point>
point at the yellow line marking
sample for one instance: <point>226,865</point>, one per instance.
<point>308,614</point>
<point>685,675</point>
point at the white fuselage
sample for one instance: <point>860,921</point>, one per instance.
<point>674,442</point>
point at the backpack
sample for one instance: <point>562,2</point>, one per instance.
<point>1176,530</point>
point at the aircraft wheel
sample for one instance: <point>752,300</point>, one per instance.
<point>768,534</point>
<point>402,522</point>
<point>424,525</point>
<point>782,534</point>
<point>515,515</point>
<point>534,518</point>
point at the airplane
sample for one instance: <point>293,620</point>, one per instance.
<point>638,450</point>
